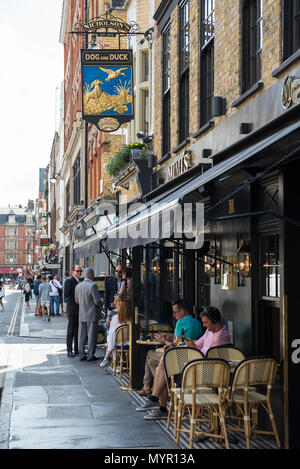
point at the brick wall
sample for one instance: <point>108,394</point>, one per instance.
<point>227,62</point>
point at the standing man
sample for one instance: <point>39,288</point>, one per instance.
<point>72,310</point>
<point>113,286</point>
<point>44,292</point>
<point>89,299</point>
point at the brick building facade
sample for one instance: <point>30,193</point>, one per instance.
<point>17,241</point>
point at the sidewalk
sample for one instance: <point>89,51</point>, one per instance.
<point>34,326</point>
<point>51,401</point>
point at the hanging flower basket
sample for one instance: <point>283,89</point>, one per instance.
<point>122,158</point>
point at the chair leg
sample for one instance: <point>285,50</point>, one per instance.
<point>192,425</point>
<point>254,421</point>
<point>247,430</point>
<point>121,364</point>
<point>171,408</point>
<point>272,419</point>
<point>223,426</point>
<point>115,363</point>
<point>178,424</point>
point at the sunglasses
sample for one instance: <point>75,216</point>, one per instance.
<point>78,270</point>
<point>119,271</point>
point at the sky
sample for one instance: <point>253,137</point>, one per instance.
<point>31,71</point>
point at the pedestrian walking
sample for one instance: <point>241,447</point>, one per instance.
<point>27,293</point>
<point>72,310</point>
<point>89,299</point>
<point>44,291</point>
<point>2,295</point>
<point>36,285</point>
<point>55,295</point>
<point>64,304</point>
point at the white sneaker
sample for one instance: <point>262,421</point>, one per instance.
<point>104,363</point>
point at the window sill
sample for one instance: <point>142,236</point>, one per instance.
<point>181,145</point>
<point>286,64</point>
<point>258,86</point>
<point>204,128</point>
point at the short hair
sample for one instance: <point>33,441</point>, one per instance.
<point>88,272</point>
<point>38,277</point>
<point>44,278</point>
<point>212,313</point>
<point>67,274</point>
<point>182,304</point>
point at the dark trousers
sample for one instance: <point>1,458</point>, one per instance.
<point>72,332</point>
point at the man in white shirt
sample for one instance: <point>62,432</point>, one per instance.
<point>55,296</point>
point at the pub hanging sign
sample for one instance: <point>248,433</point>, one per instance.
<point>107,87</point>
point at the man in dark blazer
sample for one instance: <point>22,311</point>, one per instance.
<point>113,285</point>
<point>72,310</point>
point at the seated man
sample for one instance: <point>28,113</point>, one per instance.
<point>215,334</point>
<point>187,324</point>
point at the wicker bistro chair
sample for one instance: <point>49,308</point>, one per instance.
<point>157,328</point>
<point>226,352</point>
<point>211,374</point>
<point>258,371</point>
<point>174,361</point>
<point>121,351</point>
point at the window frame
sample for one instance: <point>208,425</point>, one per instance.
<point>289,26</point>
<point>68,198</point>
<point>166,90</point>
<point>184,88</point>
<point>251,44</point>
<point>206,48</point>
<point>77,181</point>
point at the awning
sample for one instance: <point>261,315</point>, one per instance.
<point>119,236</point>
<point>89,246</point>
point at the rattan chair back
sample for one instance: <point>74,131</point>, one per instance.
<point>226,352</point>
<point>258,371</point>
<point>175,359</point>
<point>207,373</point>
<point>122,335</point>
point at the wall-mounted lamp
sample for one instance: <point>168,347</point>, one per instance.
<point>155,268</point>
<point>243,259</point>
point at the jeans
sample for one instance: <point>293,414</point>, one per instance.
<point>54,300</point>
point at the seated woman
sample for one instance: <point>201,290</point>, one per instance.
<point>122,318</point>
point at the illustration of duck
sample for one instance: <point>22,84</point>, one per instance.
<point>113,73</point>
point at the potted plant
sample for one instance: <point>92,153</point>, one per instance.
<point>121,159</point>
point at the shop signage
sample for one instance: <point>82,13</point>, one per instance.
<point>107,87</point>
<point>181,165</point>
<point>104,22</point>
<point>44,241</point>
<point>91,222</point>
<point>53,266</point>
<point>290,91</point>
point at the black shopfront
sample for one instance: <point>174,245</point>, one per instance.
<point>251,198</point>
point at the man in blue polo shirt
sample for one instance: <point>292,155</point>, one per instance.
<point>187,324</point>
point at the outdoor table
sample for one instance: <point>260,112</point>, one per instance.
<point>148,342</point>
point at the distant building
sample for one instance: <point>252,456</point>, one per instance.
<point>17,240</point>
